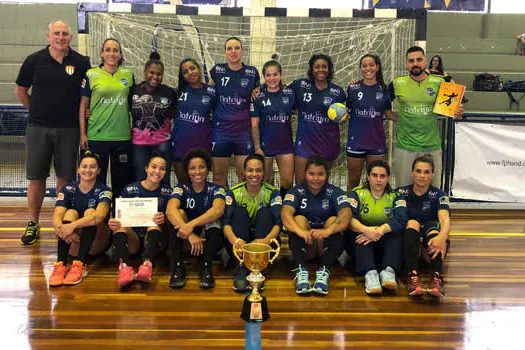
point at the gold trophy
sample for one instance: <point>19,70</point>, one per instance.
<point>256,257</point>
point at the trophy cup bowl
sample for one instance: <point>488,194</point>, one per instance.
<point>256,256</point>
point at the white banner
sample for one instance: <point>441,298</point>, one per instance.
<point>490,162</point>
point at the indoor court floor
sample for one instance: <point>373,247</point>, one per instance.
<point>484,306</point>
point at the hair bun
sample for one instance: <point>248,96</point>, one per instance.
<point>154,55</point>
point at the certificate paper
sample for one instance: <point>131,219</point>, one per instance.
<point>136,212</point>
<point>448,99</point>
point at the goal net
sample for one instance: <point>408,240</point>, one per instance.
<point>292,39</point>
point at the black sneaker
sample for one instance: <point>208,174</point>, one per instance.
<point>206,278</point>
<point>177,279</point>
<point>240,283</point>
<point>31,234</point>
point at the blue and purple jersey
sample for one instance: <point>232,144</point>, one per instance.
<point>152,112</point>
<point>192,124</point>
<point>195,204</point>
<point>136,190</point>
<point>231,120</point>
<point>275,124</point>
<point>367,106</point>
<point>424,208</point>
<point>71,197</point>
<point>317,209</point>
<point>316,133</point>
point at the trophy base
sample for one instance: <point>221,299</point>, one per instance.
<point>255,311</point>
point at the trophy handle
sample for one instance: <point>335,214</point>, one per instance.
<point>235,251</point>
<point>276,251</point>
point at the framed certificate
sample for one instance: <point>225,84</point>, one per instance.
<point>136,212</point>
<point>449,98</point>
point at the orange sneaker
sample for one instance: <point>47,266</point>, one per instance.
<point>436,286</point>
<point>57,276</point>
<point>76,273</point>
<point>125,274</point>
<point>414,285</point>
<point>145,272</point>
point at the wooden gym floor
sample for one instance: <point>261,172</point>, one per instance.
<point>483,308</point>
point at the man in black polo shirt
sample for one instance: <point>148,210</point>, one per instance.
<point>54,75</point>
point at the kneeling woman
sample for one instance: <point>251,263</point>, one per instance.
<point>194,211</point>
<point>316,214</point>
<point>79,221</point>
<point>379,217</point>
<point>429,223</point>
<point>128,240</point>
<point>253,214</point>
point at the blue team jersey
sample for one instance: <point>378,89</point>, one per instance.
<point>367,106</point>
<point>136,190</point>
<point>424,208</point>
<point>275,112</point>
<point>231,120</point>
<point>316,133</point>
<point>71,197</point>
<point>192,124</point>
<point>317,209</point>
<point>195,204</point>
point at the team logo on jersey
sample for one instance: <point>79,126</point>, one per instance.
<point>229,200</point>
<point>220,191</point>
<point>300,190</point>
<point>166,191</point>
<point>92,203</point>
<point>105,194</point>
<point>211,90</point>
<point>289,197</point>
<point>164,100</point>
<point>329,191</point>
<point>342,199</point>
<point>353,202</point>
<point>220,69</point>
<point>327,101</point>
<point>430,91</point>
<point>305,84</point>
<point>354,86</point>
<point>379,96</point>
<point>276,201</point>
<point>334,91</point>
<point>205,100</point>
<point>83,85</point>
<point>388,211</point>
<point>60,197</point>
<point>286,100</point>
<point>432,194</point>
<point>124,81</point>
<point>70,70</point>
<point>244,82</point>
<point>444,200</point>
<point>400,203</point>
<point>426,206</point>
<point>178,190</point>
<point>325,204</point>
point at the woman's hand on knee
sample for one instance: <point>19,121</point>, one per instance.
<point>114,225</point>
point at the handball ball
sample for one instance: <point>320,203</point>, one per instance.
<point>338,112</point>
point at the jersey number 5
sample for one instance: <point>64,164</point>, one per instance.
<point>303,203</point>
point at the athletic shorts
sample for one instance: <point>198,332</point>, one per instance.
<point>44,144</point>
<point>227,148</point>
<point>301,151</point>
<point>360,153</point>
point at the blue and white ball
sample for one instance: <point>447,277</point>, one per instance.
<point>338,112</point>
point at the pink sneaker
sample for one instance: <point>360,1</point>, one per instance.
<point>145,272</point>
<point>125,274</point>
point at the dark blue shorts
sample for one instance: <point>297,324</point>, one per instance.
<point>361,153</point>
<point>227,148</point>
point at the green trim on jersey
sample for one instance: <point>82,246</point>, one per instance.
<point>252,204</point>
<point>109,119</point>
<point>417,125</point>
<point>375,212</point>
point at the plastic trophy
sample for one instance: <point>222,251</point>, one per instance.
<point>256,256</point>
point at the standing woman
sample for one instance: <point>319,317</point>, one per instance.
<point>429,223</point>
<point>253,214</point>
<point>315,213</point>
<point>192,124</point>
<point>234,82</point>
<point>317,135</point>
<point>194,211</point>
<point>153,239</point>
<point>368,102</point>
<point>105,91</point>
<point>79,220</point>
<point>379,217</point>
<point>152,108</point>
<point>271,114</point>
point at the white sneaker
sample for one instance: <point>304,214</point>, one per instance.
<point>388,278</point>
<point>372,284</point>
